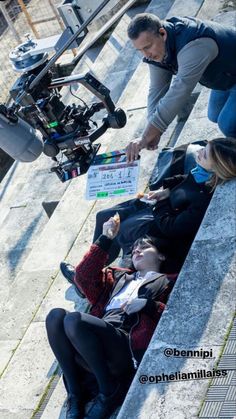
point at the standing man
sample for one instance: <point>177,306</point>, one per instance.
<point>194,51</point>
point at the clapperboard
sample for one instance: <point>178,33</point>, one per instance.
<point>111,176</point>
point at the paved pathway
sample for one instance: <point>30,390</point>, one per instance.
<point>220,399</point>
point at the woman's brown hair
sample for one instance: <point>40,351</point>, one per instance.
<point>223,156</point>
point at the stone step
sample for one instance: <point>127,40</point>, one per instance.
<point>22,216</point>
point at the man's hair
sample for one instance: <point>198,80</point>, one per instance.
<point>144,22</point>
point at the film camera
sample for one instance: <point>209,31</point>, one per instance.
<point>39,121</point>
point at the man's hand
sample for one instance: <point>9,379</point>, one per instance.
<point>149,140</point>
<point>111,227</point>
<point>132,150</point>
<point>132,306</point>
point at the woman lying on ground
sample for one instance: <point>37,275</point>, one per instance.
<point>179,210</point>
<point>98,352</point>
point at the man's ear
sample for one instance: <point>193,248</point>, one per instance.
<point>163,33</point>
<point>161,257</point>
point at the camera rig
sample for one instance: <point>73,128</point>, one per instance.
<point>67,131</point>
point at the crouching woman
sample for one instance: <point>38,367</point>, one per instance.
<point>99,351</point>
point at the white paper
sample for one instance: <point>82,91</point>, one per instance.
<point>114,177</point>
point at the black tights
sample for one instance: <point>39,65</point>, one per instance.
<point>82,342</point>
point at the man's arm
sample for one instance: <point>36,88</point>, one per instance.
<point>193,59</point>
<point>160,79</point>
<point>150,139</point>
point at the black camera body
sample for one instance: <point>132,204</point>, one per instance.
<point>67,130</point>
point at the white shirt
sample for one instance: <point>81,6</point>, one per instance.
<point>129,291</point>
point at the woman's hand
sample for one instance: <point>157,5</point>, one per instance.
<point>132,306</point>
<point>111,227</point>
<point>159,195</point>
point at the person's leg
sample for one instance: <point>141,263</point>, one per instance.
<point>63,350</point>
<point>227,117</point>
<point>216,103</point>
<point>104,348</point>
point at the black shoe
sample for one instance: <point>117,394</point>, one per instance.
<point>73,408</point>
<point>103,406</point>
<point>68,271</point>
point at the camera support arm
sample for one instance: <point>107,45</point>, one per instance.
<point>91,83</point>
<point>115,118</point>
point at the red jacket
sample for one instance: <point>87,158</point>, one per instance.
<point>100,284</point>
